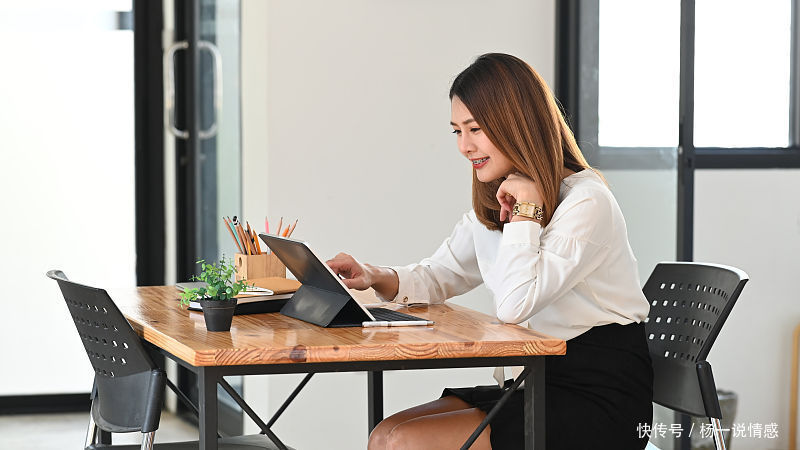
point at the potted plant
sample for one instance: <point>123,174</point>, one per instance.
<point>218,296</point>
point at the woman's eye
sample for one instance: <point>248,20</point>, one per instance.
<point>474,130</point>
<point>456,132</point>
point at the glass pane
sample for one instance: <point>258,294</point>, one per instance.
<point>638,80</point>
<point>220,183</point>
<point>742,63</point>
<point>221,175</point>
<point>68,178</point>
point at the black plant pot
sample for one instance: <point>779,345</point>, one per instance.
<point>218,314</point>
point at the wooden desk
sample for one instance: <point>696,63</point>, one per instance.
<point>273,343</point>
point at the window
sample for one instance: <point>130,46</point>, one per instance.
<point>638,83</point>
<point>621,63</point>
<point>68,174</point>
<point>741,73</point>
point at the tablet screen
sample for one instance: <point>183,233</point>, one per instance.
<point>304,264</point>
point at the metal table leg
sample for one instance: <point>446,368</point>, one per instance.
<point>374,399</point>
<point>534,405</point>
<point>207,420</point>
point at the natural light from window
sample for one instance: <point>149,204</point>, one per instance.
<point>68,177</point>
<point>638,84</point>
<point>742,63</point>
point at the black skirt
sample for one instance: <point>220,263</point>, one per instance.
<point>596,396</point>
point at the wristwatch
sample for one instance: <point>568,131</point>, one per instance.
<point>529,210</point>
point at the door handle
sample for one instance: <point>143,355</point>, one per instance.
<point>211,131</point>
<point>169,84</point>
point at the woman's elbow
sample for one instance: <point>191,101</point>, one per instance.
<point>515,306</point>
<point>511,315</point>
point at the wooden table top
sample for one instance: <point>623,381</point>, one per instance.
<point>155,313</point>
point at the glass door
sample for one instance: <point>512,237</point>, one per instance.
<point>202,148</point>
<point>203,138</point>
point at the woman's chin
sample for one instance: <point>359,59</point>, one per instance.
<point>486,177</point>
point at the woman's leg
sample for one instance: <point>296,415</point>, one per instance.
<point>444,430</point>
<point>378,437</point>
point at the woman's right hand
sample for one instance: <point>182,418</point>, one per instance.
<point>356,275</point>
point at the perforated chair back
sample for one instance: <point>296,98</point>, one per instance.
<point>129,386</point>
<point>689,303</point>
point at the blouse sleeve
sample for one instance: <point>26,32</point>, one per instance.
<point>530,274</point>
<point>452,270</point>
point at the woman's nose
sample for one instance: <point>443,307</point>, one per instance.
<point>465,145</point>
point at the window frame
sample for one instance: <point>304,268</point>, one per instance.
<point>577,57</point>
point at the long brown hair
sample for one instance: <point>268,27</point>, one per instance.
<point>514,107</point>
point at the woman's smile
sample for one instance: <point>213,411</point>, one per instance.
<point>479,162</point>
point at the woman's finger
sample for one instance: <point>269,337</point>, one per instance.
<point>335,265</point>
<point>505,200</point>
<point>342,264</point>
<point>358,282</point>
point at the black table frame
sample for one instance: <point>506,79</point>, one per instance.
<point>209,376</point>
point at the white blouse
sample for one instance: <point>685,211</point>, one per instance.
<point>575,273</point>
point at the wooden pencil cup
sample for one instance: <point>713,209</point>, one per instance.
<point>258,266</point>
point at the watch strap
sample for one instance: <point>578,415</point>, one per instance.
<point>529,210</point>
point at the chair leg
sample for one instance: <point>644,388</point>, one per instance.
<point>91,433</point>
<point>719,440</point>
<point>147,440</point>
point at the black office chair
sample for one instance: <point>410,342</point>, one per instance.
<point>129,387</point>
<point>689,303</point>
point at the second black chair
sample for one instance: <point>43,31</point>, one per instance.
<point>129,387</point>
<point>689,303</point>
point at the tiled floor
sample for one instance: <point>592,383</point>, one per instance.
<point>68,431</point>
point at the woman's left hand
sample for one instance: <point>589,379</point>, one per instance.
<point>516,188</point>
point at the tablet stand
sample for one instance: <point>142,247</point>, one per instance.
<point>324,308</point>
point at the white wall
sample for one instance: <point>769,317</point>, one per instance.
<point>648,199</point>
<point>751,219</point>
<point>345,126</point>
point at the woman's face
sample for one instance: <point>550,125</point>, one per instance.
<point>485,158</point>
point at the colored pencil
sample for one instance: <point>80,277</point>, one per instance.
<point>291,230</point>
<point>253,236</point>
<point>230,230</point>
<point>244,239</point>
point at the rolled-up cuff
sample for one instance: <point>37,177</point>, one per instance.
<point>405,288</point>
<point>522,232</point>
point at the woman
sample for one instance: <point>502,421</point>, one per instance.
<point>548,239</point>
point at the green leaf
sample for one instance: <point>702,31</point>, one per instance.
<point>219,276</point>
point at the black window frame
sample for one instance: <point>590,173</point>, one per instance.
<point>578,19</point>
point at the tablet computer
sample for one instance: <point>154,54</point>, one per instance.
<point>323,299</point>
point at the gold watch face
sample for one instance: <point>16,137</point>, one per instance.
<point>529,210</point>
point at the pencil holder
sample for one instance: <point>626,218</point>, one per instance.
<point>258,266</point>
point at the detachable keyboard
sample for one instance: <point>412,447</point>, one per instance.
<point>390,315</point>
